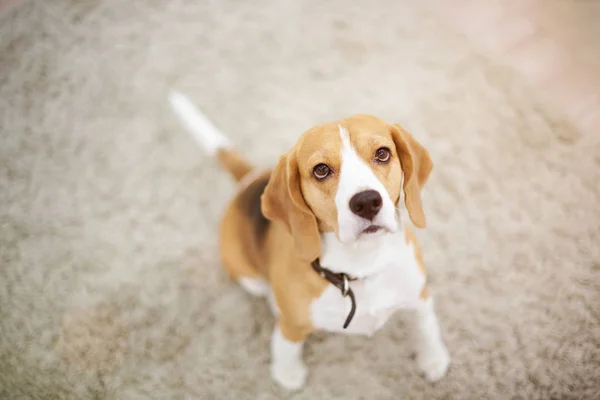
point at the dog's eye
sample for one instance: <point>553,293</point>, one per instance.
<point>321,171</point>
<point>383,155</point>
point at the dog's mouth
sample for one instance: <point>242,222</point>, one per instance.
<point>372,229</point>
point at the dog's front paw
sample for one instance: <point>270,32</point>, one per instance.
<point>434,361</point>
<point>290,375</point>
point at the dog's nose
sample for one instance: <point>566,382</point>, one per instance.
<point>366,204</point>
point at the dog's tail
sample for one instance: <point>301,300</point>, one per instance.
<point>208,136</point>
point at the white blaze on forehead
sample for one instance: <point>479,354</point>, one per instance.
<point>345,135</point>
<point>356,176</point>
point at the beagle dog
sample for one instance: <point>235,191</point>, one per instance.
<point>324,235</point>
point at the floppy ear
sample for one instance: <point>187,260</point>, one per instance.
<point>416,165</point>
<point>282,201</point>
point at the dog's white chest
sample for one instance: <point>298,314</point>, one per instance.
<point>394,281</point>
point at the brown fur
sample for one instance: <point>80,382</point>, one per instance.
<point>294,284</point>
<point>417,165</point>
<point>283,202</point>
<point>411,239</point>
<point>234,163</point>
<point>249,201</point>
<point>243,234</point>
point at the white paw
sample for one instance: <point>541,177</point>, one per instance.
<point>434,361</point>
<point>290,375</point>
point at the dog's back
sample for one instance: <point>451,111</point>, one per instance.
<point>243,226</point>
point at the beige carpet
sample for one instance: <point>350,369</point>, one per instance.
<point>110,285</point>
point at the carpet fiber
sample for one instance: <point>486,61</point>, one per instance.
<point>110,283</point>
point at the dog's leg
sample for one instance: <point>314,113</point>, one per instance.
<point>432,355</point>
<point>287,367</point>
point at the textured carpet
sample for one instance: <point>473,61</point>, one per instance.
<point>110,284</point>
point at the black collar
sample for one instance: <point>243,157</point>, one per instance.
<point>339,280</point>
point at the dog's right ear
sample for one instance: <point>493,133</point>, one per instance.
<point>282,201</point>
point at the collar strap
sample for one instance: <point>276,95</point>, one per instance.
<point>339,280</point>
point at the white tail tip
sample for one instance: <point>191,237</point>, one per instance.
<point>196,123</point>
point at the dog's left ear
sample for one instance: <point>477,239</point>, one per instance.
<point>283,201</point>
<point>416,165</point>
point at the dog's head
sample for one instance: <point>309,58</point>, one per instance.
<point>346,177</point>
